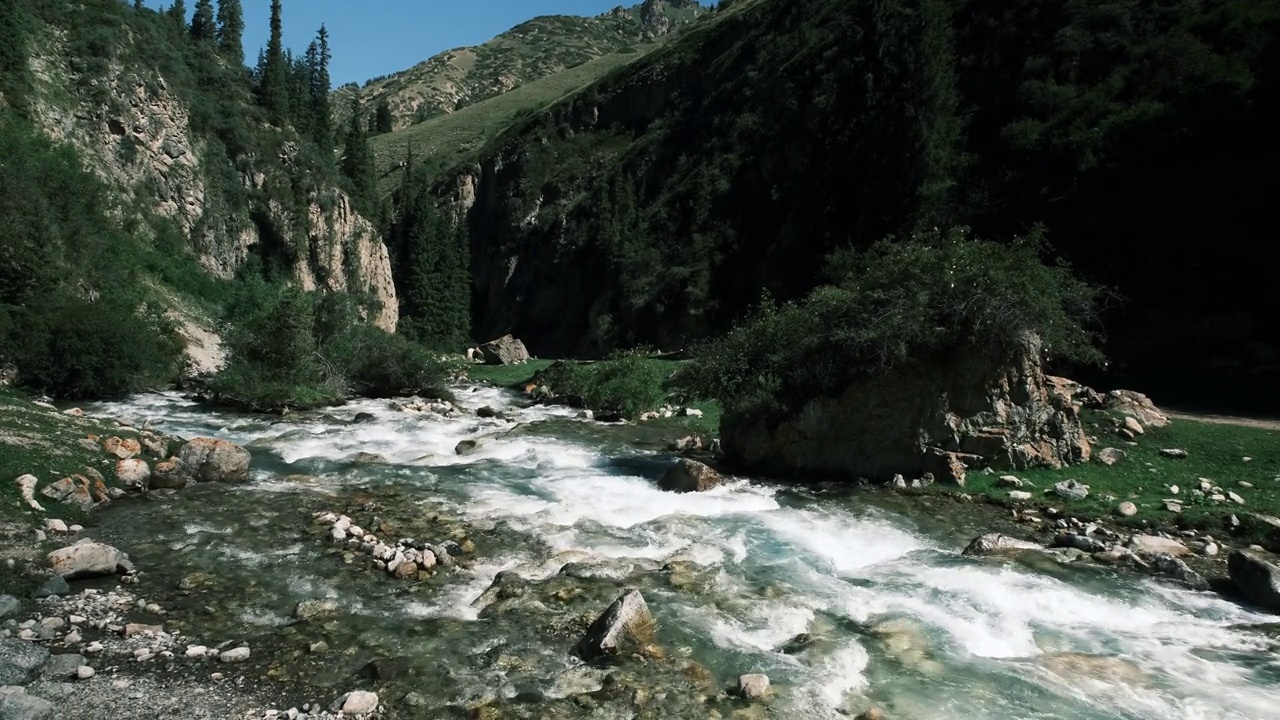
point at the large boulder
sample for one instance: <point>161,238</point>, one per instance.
<point>20,661</point>
<point>974,408</point>
<point>214,460</point>
<point>506,350</point>
<point>88,559</point>
<point>1257,578</point>
<point>1137,406</point>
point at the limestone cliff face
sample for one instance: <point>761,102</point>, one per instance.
<point>971,411</point>
<point>142,143</point>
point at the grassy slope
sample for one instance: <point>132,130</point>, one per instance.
<point>444,141</point>
<point>1215,452</point>
<point>531,51</point>
<point>45,443</point>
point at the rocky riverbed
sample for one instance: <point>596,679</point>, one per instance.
<point>406,561</point>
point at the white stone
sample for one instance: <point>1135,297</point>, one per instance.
<point>239,654</point>
<point>1019,495</point>
<point>84,672</point>
<point>337,533</point>
<point>56,525</point>
<point>197,651</point>
<point>754,686</point>
<point>342,523</point>
<point>359,702</point>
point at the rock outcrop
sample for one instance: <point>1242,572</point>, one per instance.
<point>147,149</point>
<point>972,410</point>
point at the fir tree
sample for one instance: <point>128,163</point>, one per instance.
<point>202,25</point>
<point>178,11</point>
<point>15,73</point>
<point>382,118</point>
<point>231,30</point>
<point>357,157</point>
<point>273,90</point>
<point>318,57</point>
<point>432,268</point>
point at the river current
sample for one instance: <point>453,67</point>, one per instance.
<point>895,616</point>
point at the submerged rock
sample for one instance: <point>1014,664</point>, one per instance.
<point>626,621</point>
<point>690,476</point>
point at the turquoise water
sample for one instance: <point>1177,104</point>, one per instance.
<point>896,617</point>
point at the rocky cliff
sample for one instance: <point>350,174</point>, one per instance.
<point>135,131</point>
<point>968,411</point>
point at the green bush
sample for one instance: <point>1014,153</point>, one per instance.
<point>899,301</point>
<point>71,347</point>
<point>629,384</point>
<point>296,349</point>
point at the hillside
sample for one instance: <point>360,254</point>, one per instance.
<point>539,48</point>
<point>655,206</point>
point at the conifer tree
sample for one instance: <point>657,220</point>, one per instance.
<point>357,157</point>
<point>178,11</point>
<point>202,24</point>
<point>14,69</point>
<point>318,72</point>
<point>382,120</point>
<point>273,90</point>
<point>231,30</point>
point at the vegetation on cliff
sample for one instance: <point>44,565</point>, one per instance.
<point>917,300</point>
<point>223,178</point>
<point>743,153</point>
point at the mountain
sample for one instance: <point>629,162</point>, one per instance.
<point>654,206</point>
<point>540,48</point>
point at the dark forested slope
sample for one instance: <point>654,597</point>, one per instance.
<point>655,206</point>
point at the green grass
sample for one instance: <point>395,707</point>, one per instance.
<point>443,141</point>
<point>45,443</point>
<point>507,376</point>
<point>1215,452</point>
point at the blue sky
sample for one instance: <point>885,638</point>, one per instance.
<point>378,37</point>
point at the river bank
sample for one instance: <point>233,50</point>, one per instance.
<point>847,598</point>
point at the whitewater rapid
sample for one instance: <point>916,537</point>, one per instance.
<point>898,617</point>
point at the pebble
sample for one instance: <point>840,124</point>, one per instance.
<point>72,638</point>
<point>76,528</point>
<point>1127,509</point>
<point>239,654</point>
<point>1245,485</point>
<point>357,702</point>
<point>76,619</point>
<point>84,672</point>
<point>197,651</point>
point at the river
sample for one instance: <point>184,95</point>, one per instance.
<point>895,616</point>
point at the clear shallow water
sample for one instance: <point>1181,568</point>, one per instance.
<point>898,618</point>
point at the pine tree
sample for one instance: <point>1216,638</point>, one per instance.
<point>432,268</point>
<point>318,70</point>
<point>231,30</point>
<point>357,158</point>
<point>178,11</point>
<point>382,120</point>
<point>202,25</point>
<point>138,5</point>
<point>15,73</point>
<point>273,92</point>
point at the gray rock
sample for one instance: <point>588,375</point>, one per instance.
<point>56,585</point>
<point>754,686</point>
<point>21,706</point>
<point>86,559</point>
<point>312,608</point>
<point>19,661</point>
<point>235,655</point>
<point>62,667</point>
<point>1083,543</point>
<point>9,605</point>
<point>506,350</point>
<point>1126,509</point>
<point>1172,567</point>
<point>1071,490</point>
<point>1174,453</point>
<point>1021,495</point>
<point>215,460</point>
<point>1155,545</point>
<point>1257,578</point>
<point>626,621</point>
<point>1109,456</point>
<point>466,447</point>
<point>995,543</point>
<point>690,476</point>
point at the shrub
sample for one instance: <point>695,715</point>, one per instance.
<point>70,347</point>
<point>911,300</point>
<point>290,348</point>
<point>628,383</point>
